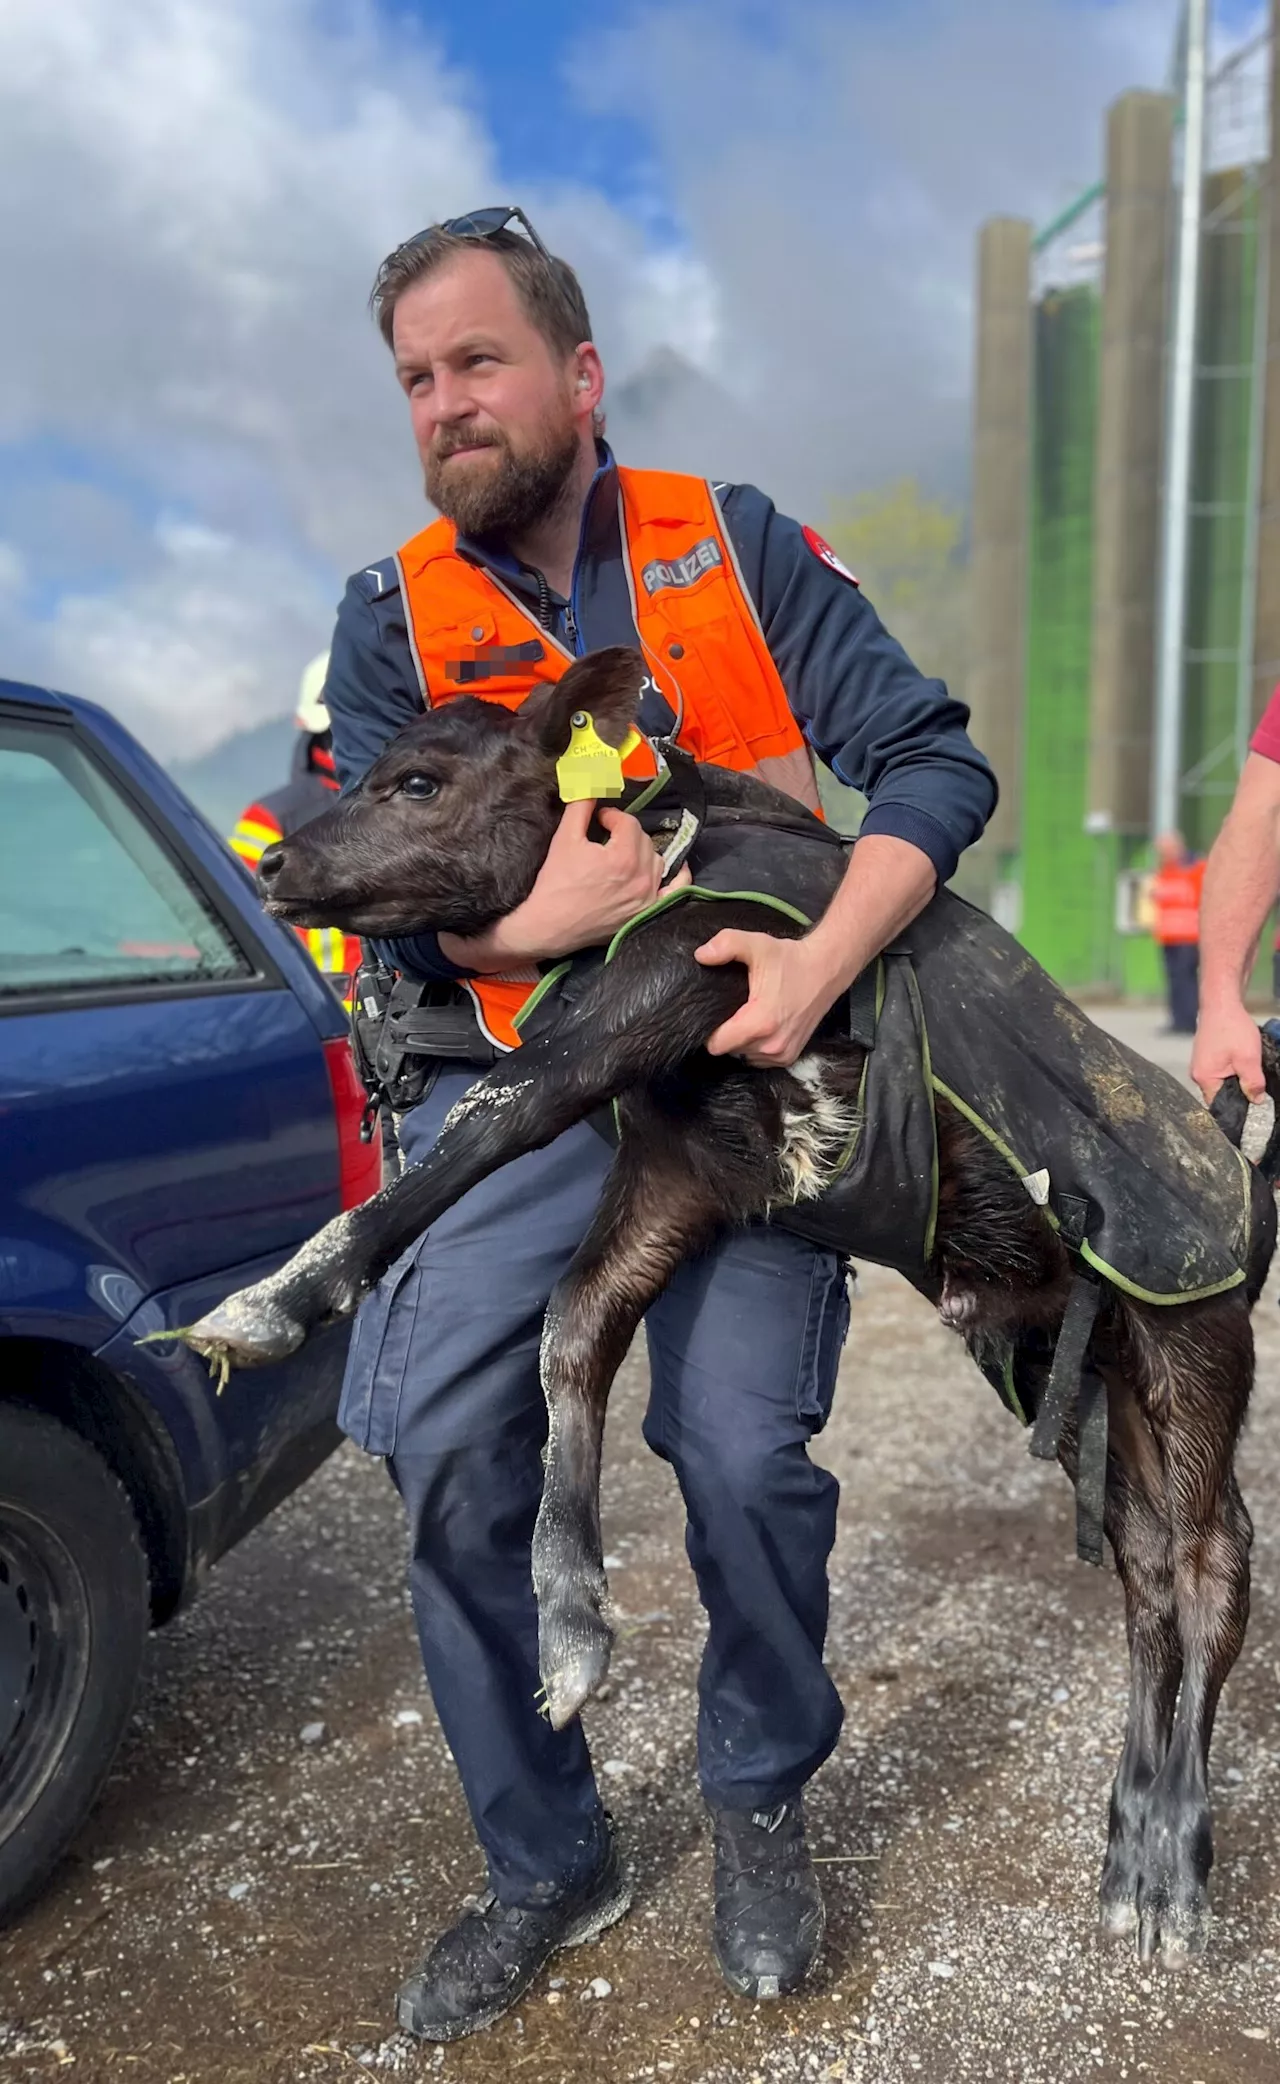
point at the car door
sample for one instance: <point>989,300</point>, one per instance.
<point>166,1116</point>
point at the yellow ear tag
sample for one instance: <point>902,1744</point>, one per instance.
<point>588,768</point>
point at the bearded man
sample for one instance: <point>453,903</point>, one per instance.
<point>759,646</point>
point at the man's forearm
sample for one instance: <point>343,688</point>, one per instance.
<point>888,881</point>
<point>1232,916</point>
<point>794,983</point>
<point>1240,886</point>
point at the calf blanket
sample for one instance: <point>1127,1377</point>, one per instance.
<point>1126,1162</point>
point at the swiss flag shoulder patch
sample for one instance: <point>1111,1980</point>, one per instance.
<point>824,553</point>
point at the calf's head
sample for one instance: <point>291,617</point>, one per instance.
<point>451,824</point>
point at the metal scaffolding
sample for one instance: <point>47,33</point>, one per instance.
<point>1180,432</point>
<point>1150,406</point>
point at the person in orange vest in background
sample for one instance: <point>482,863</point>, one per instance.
<point>1175,899</point>
<point>310,789</point>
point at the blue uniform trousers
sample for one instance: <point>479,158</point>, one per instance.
<point>1182,976</point>
<point>443,1380</point>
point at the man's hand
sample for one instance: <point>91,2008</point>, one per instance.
<point>583,894</point>
<point>793,983</point>
<point>792,986</point>
<point>1240,886</point>
<point>1227,1041</point>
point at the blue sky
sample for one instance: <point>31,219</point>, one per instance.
<point>520,60</point>
<point>198,435</point>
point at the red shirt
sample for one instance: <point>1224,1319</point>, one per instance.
<point>1266,739</point>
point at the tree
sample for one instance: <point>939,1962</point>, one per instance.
<point>907,550</point>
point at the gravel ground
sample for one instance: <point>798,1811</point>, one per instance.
<point>283,1831</point>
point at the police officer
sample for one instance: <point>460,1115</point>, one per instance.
<point>759,646</point>
<point>310,789</point>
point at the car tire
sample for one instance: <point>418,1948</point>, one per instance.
<point>74,1612</point>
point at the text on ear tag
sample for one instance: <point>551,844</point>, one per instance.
<point>588,768</point>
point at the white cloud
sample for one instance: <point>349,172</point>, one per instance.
<point>194,195</point>
<point>833,173</point>
<point>13,569</point>
<point>186,655</point>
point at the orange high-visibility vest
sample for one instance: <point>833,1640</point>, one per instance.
<point>1175,894</point>
<point>698,629</point>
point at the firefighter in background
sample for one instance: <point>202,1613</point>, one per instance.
<point>310,789</point>
<point>1175,900</point>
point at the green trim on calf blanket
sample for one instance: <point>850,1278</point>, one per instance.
<point>675,897</point>
<point>1168,1199</point>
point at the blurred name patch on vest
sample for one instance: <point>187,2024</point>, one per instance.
<point>493,659</point>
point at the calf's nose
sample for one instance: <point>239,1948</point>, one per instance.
<point>270,864</point>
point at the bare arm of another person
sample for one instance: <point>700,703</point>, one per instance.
<point>1240,885</point>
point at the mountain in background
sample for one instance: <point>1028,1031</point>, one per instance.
<point>670,416</point>
<point>222,782</point>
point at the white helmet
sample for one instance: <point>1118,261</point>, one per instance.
<point>312,715</point>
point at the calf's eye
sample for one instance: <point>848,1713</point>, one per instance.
<point>419,787</point>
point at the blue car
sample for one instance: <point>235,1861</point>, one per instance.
<point>179,1110</point>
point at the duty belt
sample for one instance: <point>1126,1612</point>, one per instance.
<point>398,1027</point>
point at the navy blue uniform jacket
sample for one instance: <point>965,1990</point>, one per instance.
<point>876,720</point>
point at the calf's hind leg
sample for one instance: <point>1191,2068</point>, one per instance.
<point>1193,1368</point>
<point>656,1210</point>
<point>1137,1525</point>
<point>1141,1536</point>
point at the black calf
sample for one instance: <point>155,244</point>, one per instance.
<point>449,829</point>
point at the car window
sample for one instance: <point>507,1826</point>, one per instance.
<point>88,896</point>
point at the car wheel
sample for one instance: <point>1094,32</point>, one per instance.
<point>74,1600</point>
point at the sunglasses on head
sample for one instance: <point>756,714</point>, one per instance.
<point>482,224</point>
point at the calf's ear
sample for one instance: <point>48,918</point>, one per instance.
<point>606,684</point>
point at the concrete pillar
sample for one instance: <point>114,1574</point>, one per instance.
<point>1266,635</point>
<point>1131,385</point>
<point>1001,512</point>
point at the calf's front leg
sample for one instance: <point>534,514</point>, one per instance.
<point>655,1211</point>
<point>644,1014</point>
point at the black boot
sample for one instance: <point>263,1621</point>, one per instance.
<point>769,1918</point>
<point>484,1964</point>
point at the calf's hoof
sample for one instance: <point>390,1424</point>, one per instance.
<point>1163,1914</point>
<point>574,1647</point>
<point>1117,1922</point>
<point>1169,1939</point>
<point>248,1330</point>
<point>1173,1938</point>
<point>1173,1884</point>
